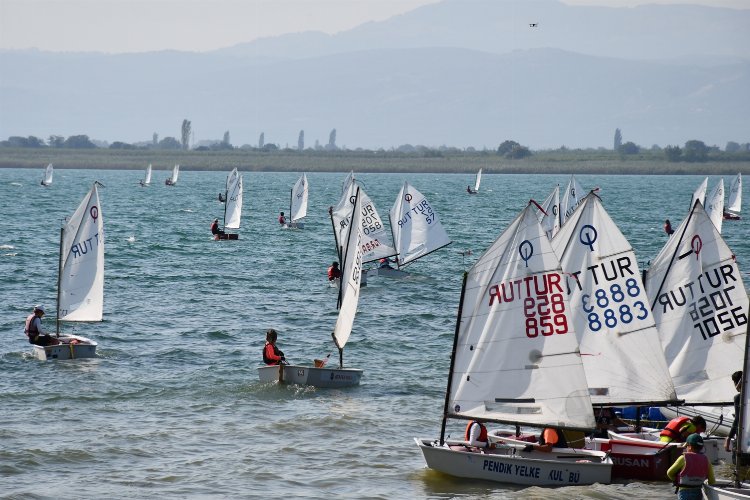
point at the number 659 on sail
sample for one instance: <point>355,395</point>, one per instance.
<point>545,315</point>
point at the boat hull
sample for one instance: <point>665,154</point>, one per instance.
<point>647,461</point>
<point>329,378</point>
<point>86,348</point>
<point>713,446</point>
<point>725,490</point>
<point>294,225</point>
<point>511,465</point>
<point>227,236</point>
<point>389,272</point>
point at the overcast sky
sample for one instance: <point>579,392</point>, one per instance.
<point>201,25</point>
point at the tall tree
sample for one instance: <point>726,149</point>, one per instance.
<point>618,139</point>
<point>56,141</point>
<point>186,129</point>
<point>332,140</point>
<point>262,140</point>
<point>155,139</point>
<point>225,141</point>
<point>301,141</point>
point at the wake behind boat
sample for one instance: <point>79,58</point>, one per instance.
<point>351,274</point>
<point>80,281</point>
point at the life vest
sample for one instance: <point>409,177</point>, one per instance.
<point>31,330</point>
<point>482,431</point>
<point>695,470</point>
<point>674,429</point>
<point>561,441</point>
<point>214,227</point>
<point>275,351</point>
<point>333,273</point>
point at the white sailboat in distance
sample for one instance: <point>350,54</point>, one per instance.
<point>319,375</point>
<point>516,361</point>
<point>80,281</point>
<point>146,181</point>
<point>232,206</point>
<point>298,203</point>
<point>47,178</point>
<point>171,181</point>
<point>715,205</point>
<point>477,181</point>
<point>734,204</point>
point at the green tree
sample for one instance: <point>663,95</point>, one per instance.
<point>79,142</point>
<point>121,145</point>
<point>618,139</point>
<point>673,153</point>
<point>56,141</point>
<point>170,143</point>
<point>629,148</point>
<point>732,147</point>
<point>186,130</point>
<point>695,151</point>
<point>301,141</point>
<point>262,140</point>
<point>506,147</point>
<point>517,152</point>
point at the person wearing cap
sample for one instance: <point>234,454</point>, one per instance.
<point>215,228</point>
<point>691,470</point>
<point>334,272</point>
<point>34,331</point>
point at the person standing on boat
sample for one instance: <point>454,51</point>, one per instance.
<point>334,272</point>
<point>215,228</point>
<point>34,331</point>
<point>679,428</point>
<point>282,219</point>
<point>742,460</point>
<point>606,420</point>
<point>668,227</point>
<point>272,355</point>
<point>691,469</point>
<point>476,435</point>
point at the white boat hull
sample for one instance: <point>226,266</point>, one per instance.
<point>726,491</point>
<point>85,348</point>
<point>509,464</point>
<point>308,375</point>
<point>388,272</point>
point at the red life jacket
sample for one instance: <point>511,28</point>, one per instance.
<point>695,470</point>
<point>29,325</point>
<point>482,431</point>
<point>271,356</point>
<point>674,429</point>
<point>333,273</point>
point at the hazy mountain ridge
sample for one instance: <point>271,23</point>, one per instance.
<point>379,96</point>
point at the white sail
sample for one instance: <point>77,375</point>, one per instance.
<point>233,204</point>
<point>415,225</point>
<point>715,205</point>
<point>175,173</point>
<point>147,177</point>
<point>348,181</point>
<point>376,240</point>
<point>611,314</point>
<point>734,204</point>
<point>81,288</point>
<point>298,208</point>
<point>699,303</point>
<point>351,274</point>
<point>700,194</point>
<point>516,353</point>
<point>478,181</point>
<point>48,172</point>
<point>549,216</point>
<point>572,197</point>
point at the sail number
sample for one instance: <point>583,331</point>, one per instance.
<point>612,307</point>
<point>370,246</point>
<point>545,314</point>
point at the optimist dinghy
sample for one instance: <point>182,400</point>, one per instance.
<point>232,206</point>
<point>171,181</point>
<point>298,203</point>
<point>48,173</point>
<point>734,204</point>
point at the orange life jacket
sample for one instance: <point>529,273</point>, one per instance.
<point>482,431</point>
<point>674,429</point>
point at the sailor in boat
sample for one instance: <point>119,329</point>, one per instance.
<point>385,263</point>
<point>668,227</point>
<point>691,469</point>
<point>282,219</point>
<point>215,228</point>
<point>476,435</point>
<point>34,331</point>
<point>606,420</point>
<point>221,198</point>
<point>334,272</point>
<point>679,428</point>
<point>548,439</point>
<point>272,355</point>
<point>470,191</point>
<point>744,458</point>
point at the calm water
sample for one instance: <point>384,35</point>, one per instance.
<point>172,406</point>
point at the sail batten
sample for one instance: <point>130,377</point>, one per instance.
<point>81,281</point>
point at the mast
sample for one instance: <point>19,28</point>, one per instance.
<point>59,279</point>
<point>453,360</point>
<point>335,238</point>
<point>226,202</point>
<point>740,419</point>
<point>291,197</point>
<point>395,243</point>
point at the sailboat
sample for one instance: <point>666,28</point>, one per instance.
<point>47,179</point>
<point>173,179</point>
<point>715,205</point>
<point>146,181</point>
<point>298,203</point>
<point>516,361</point>
<point>319,375</point>
<point>376,239</point>
<point>477,181</point>
<point>699,194</point>
<point>416,229</point>
<point>232,206</point>
<point>80,279</point>
<point>572,197</point>
<point>549,213</point>
<point>734,205</point>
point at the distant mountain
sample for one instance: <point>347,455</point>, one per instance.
<point>456,73</point>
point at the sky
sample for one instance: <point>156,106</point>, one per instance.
<point>116,26</point>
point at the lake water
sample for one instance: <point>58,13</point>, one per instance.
<point>172,406</point>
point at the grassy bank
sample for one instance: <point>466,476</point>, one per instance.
<point>583,162</point>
